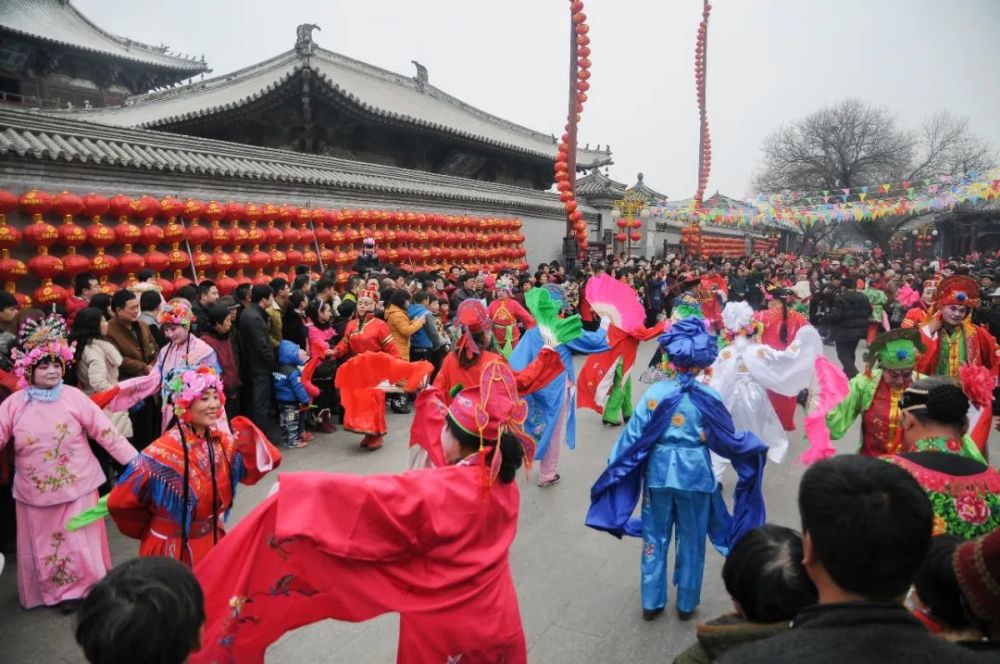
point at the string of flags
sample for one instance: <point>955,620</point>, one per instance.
<point>795,210</point>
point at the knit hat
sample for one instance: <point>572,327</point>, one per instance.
<point>977,567</point>
<point>896,349</point>
<point>41,339</point>
<point>958,289</point>
<point>491,409</point>
<point>688,345</point>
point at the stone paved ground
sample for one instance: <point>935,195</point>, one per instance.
<point>578,589</point>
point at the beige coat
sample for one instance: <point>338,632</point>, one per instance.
<point>98,371</point>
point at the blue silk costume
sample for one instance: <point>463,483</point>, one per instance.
<point>662,456</point>
<point>545,405</point>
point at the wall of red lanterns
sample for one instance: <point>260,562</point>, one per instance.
<point>230,243</point>
<point>694,242</point>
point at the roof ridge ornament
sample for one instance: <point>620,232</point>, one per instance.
<point>304,45</point>
<point>421,78</point>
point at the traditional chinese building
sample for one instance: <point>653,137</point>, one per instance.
<point>312,100</point>
<point>434,179</point>
<point>52,56</point>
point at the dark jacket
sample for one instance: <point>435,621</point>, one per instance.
<point>293,328</point>
<point>458,297</point>
<point>226,354</point>
<point>256,352</point>
<point>136,345</point>
<point>848,317</point>
<point>202,320</point>
<point>288,386</point>
<point>716,637</point>
<point>855,632</point>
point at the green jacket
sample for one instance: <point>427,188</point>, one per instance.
<point>860,394</point>
<point>718,636</point>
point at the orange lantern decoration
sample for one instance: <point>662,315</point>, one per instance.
<point>11,269</point>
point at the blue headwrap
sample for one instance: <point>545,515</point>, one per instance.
<point>688,345</point>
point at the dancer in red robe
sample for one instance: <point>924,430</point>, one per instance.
<point>364,409</point>
<point>780,325</point>
<point>465,364</point>
<point>508,316</point>
<point>429,544</point>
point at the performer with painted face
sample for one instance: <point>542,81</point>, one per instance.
<point>184,350</point>
<point>176,494</point>
<point>875,394</point>
<point>953,341</point>
<point>57,475</point>
<point>918,314</point>
<point>950,336</point>
<point>364,409</point>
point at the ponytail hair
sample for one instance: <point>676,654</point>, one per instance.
<point>510,448</point>
<point>783,333</point>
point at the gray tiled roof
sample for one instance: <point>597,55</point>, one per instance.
<point>26,134</point>
<point>372,90</point>
<point>596,183</point>
<point>645,192</point>
<point>60,22</point>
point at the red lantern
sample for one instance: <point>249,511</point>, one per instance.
<point>129,263</point>
<point>35,203</point>
<point>157,261</point>
<point>635,236</point>
<point>74,263</point>
<point>620,237</point>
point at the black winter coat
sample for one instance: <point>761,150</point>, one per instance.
<point>256,352</point>
<point>855,632</point>
<point>848,317</point>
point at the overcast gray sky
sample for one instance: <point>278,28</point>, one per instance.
<point>770,61</point>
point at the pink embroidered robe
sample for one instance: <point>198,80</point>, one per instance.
<point>57,477</point>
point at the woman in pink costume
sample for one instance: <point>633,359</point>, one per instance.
<point>57,474</point>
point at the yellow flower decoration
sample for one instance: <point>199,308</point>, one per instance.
<point>651,404</point>
<point>940,527</point>
<point>677,420</point>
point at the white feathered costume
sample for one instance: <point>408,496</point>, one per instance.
<point>746,369</point>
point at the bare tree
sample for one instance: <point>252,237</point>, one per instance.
<point>853,144</point>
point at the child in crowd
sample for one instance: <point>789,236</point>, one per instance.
<point>936,596</point>
<point>291,395</point>
<point>768,584</point>
<point>148,610</point>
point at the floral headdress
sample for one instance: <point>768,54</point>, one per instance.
<point>182,386</point>
<point>175,313</point>
<point>505,285</point>
<point>40,340</point>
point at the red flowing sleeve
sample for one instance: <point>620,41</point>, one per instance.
<point>540,372</point>
<point>257,454</point>
<point>128,503</point>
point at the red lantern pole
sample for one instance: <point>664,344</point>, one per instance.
<point>571,123</point>
<point>701,78</point>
